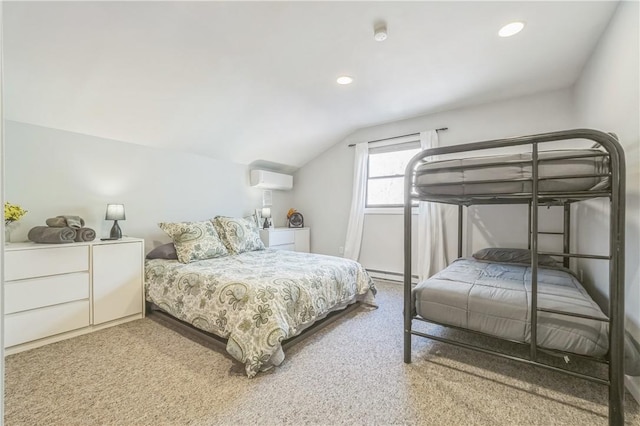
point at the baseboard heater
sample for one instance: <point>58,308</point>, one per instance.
<point>390,276</point>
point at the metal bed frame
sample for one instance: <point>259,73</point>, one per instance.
<point>186,329</point>
<point>616,194</point>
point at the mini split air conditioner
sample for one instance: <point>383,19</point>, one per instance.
<point>271,180</point>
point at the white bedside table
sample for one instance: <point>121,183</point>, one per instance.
<point>294,239</point>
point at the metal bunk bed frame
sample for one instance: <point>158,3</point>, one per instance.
<point>616,194</point>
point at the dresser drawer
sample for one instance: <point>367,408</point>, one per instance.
<point>278,238</point>
<point>44,322</point>
<point>20,264</point>
<point>34,293</point>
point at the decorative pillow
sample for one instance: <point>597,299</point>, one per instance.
<point>195,240</point>
<point>238,234</point>
<point>254,219</point>
<point>511,255</point>
<point>165,251</point>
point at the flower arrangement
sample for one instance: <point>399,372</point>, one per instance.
<point>290,212</point>
<point>13,213</point>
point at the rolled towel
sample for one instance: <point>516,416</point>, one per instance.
<point>49,235</point>
<point>85,234</point>
<point>64,221</point>
<point>73,221</point>
<point>56,222</point>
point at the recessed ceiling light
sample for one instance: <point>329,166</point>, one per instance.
<point>344,79</point>
<point>511,29</point>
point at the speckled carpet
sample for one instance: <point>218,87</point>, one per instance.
<point>351,372</point>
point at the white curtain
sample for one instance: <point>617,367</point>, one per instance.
<point>356,217</point>
<point>432,254</point>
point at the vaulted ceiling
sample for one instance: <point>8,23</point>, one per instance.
<point>247,81</point>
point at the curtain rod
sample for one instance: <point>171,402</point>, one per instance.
<point>401,136</point>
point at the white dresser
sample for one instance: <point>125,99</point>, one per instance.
<point>56,291</point>
<point>294,239</point>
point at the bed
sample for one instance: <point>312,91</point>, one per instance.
<point>257,298</point>
<point>541,306</point>
<point>492,298</point>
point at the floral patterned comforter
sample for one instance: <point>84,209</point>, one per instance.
<point>256,299</point>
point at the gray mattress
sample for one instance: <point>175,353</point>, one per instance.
<point>484,169</point>
<point>493,298</point>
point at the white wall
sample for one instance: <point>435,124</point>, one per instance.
<point>52,172</point>
<point>323,191</point>
<point>2,223</point>
<point>607,97</point>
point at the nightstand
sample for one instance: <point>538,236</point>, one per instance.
<point>294,239</point>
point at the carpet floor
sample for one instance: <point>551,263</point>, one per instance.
<point>351,372</point>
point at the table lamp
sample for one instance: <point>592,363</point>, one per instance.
<point>266,214</point>
<point>115,212</point>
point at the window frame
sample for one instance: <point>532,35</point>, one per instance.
<point>399,142</point>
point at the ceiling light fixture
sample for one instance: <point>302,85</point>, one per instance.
<point>344,79</point>
<point>511,29</point>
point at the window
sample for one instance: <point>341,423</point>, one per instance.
<point>385,180</point>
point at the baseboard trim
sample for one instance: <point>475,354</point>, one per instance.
<point>633,386</point>
<point>394,277</point>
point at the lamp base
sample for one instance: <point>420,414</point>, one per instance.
<point>266,224</point>
<point>116,232</point>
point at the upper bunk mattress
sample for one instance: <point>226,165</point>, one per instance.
<point>502,167</point>
<point>493,298</point>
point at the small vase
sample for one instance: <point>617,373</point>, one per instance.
<point>8,228</point>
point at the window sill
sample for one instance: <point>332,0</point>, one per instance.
<point>388,210</point>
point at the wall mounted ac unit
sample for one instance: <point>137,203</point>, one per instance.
<point>271,180</point>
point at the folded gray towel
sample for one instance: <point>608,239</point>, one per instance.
<point>64,221</point>
<point>73,221</point>
<point>85,234</point>
<point>48,235</point>
<point>56,222</point>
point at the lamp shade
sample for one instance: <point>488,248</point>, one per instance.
<point>115,212</point>
<point>266,212</point>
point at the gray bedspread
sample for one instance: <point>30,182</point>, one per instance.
<point>256,299</point>
<point>493,298</point>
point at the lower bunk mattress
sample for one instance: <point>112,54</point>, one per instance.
<point>256,299</point>
<point>494,298</point>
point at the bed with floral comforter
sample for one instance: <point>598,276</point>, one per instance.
<point>256,299</point>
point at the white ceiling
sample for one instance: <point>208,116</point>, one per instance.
<point>247,81</point>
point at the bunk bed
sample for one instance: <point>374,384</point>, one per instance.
<point>545,309</point>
